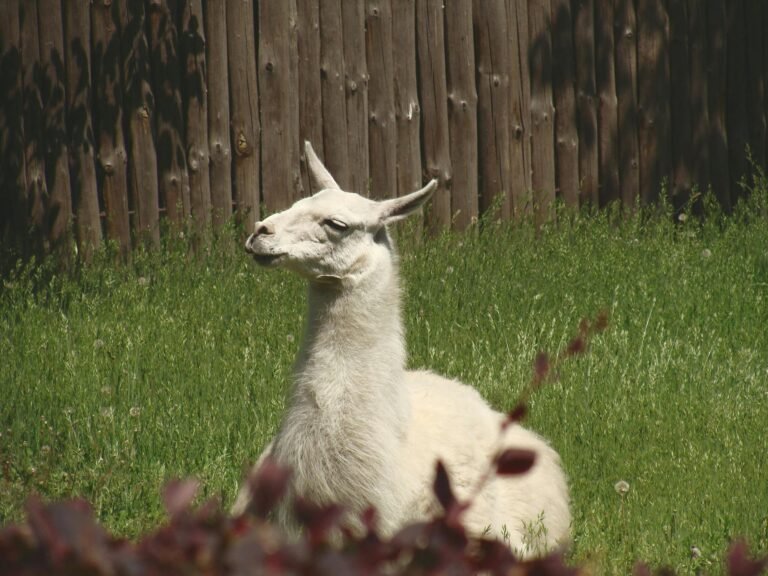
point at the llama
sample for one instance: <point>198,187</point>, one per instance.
<point>360,429</point>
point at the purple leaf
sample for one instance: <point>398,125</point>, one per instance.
<point>514,461</point>
<point>740,564</point>
<point>442,488</point>
<point>178,495</point>
<point>268,486</point>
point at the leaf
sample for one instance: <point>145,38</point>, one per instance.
<point>268,486</point>
<point>740,564</point>
<point>178,495</point>
<point>514,461</point>
<point>442,487</point>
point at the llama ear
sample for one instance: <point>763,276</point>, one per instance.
<point>317,171</point>
<point>399,208</point>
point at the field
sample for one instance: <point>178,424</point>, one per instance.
<point>116,379</point>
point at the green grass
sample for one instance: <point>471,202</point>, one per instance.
<point>118,379</point>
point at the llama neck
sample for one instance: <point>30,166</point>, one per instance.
<point>353,357</point>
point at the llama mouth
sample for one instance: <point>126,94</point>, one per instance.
<point>267,259</point>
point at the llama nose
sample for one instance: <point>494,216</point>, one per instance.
<point>264,229</point>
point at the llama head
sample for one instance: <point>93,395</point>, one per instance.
<point>333,235</point>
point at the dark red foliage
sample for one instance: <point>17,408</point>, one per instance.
<point>514,461</point>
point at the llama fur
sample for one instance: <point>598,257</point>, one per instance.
<point>360,429</point>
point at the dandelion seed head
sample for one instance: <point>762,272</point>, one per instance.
<point>134,412</point>
<point>621,487</point>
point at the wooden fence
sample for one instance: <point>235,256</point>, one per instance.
<point>115,114</point>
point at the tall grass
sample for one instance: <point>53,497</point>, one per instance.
<point>116,379</point>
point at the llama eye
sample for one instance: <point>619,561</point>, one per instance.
<point>334,224</point>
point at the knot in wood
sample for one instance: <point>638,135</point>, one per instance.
<point>629,33</point>
<point>269,66</point>
<point>352,86</point>
<point>243,147</point>
<point>496,80</point>
<point>109,168</point>
<point>144,112</point>
<point>518,131</point>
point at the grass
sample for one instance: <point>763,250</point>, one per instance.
<point>117,379</point>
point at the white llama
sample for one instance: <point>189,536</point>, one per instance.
<point>360,429</point>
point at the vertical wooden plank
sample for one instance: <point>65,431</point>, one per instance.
<point>218,151</point>
<point>626,91</point>
<point>653,97</point>
<point>586,100</point>
<point>434,98</point>
<point>698,38</point>
<point>356,93</point>
<point>244,99</point>
<point>717,58</point>
<point>382,134</point>
<point>195,93</point>
<point>607,111</point>
<point>542,110</point>
<point>278,93</point>
<point>406,96</point>
<point>462,112</point>
<point>139,108</point>
<point>755,81</point>
<point>108,109</point>
<point>736,79</point>
<point>520,108</point>
<point>37,189</point>
<point>80,128</point>
<point>563,80</point>
<point>13,204</point>
<point>173,180</point>
<point>680,104</point>
<point>500,184</point>
<point>310,91</point>
<point>333,91</point>
<point>55,151</point>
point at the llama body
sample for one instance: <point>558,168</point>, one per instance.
<point>360,429</point>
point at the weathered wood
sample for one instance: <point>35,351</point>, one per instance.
<point>244,98</point>
<point>218,152</point>
<point>717,58</point>
<point>173,179</point>
<point>563,80</point>
<point>80,128</point>
<point>493,123</point>
<point>462,112</point>
<point>736,103</point>
<point>34,159</point>
<point>680,103</point>
<point>653,98</point>
<point>13,186</point>
<point>542,110</point>
<point>520,108</point>
<point>310,91</point>
<point>434,98</point>
<point>406,96</point>
<point>755,90</point>
<point>112,157</point>
<point>356,93</point>
<point>278,93</point>
<point>382,134</point>
<point>607,110</point>
<point>139,103</point>
<point>698,46</point>
<point>55,150</point>
<point>332,82</point>
<point>586,100</point>
<point>626,94</point>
